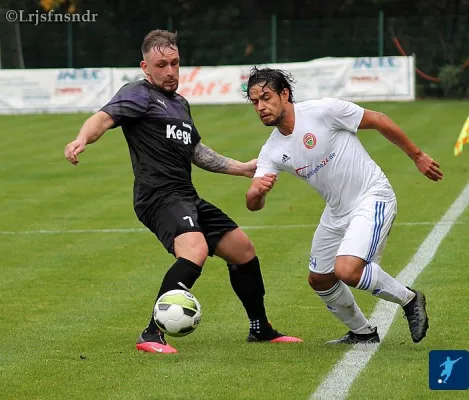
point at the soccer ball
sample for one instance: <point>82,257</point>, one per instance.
<point>177,313</point>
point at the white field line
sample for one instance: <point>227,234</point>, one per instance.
<point>254,227</point>
<point>337,383</point>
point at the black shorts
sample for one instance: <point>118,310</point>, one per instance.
<point>198,215</point>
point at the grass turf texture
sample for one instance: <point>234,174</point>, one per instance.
<point>73,304</point>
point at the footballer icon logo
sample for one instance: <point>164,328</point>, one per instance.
<point>309,140</point>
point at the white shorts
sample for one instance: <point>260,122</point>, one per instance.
<point>362,233</point>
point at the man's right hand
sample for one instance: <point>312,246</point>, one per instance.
<point>73,149</point>
<point>255,197</point>
<point>266,183</point>
<point>93,128</point>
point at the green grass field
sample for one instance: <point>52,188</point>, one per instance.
<point>79,273</point>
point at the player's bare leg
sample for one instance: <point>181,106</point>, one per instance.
<point>247,282</point>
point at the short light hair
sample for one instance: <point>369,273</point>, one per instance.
<point>159,39</point>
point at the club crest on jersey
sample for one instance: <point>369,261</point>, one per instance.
<point>309,140</point>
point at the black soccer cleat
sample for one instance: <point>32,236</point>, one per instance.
<point>153,343</point>
<point>416,314</point>
<point>354,338</point>
<point>272,336</point>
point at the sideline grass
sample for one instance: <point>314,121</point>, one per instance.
<point>73,304</point>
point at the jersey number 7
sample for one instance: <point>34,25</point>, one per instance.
<point>189,218</point>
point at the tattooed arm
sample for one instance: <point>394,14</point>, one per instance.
<point>204,157</point>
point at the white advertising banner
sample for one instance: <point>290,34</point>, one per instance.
<point>354,79</point>
<point>54,90</point>
<point>86,90</point>
<point>199,85</point>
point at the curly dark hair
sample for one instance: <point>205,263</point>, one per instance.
<point>276,79</point>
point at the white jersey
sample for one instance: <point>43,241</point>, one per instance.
<point>325,151</point>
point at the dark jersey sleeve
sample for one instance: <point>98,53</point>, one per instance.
<point>128,103</point>
<point>196,137</point>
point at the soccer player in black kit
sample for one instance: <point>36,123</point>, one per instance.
<point>163,142</point>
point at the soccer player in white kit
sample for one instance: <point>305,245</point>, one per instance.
<point>317,142</point>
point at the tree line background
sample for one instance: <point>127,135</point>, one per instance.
<point>249,32</point>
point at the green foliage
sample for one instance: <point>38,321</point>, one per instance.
<point>454,82</point>
<point>449,80</point>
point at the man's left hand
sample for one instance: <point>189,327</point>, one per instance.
<point>429,167</point>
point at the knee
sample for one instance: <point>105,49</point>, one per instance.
<point>235,247</point>
<point>250,251</point>
<point>246,252</point>
<point>197,254</point>
<point>349,273</point>
<point>341,272</point>
<point>312,280</point>
<point>321,282</point>
<point>244,248</point>
<point>201,252</point>
<point>194,249</point>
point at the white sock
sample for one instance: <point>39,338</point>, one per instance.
<point>340,301</point>
<point>383,285</point>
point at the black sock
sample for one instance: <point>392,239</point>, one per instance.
<point>246,280</point>
<point>181,275</point>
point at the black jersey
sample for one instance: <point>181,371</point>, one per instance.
<point>161,137</point>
